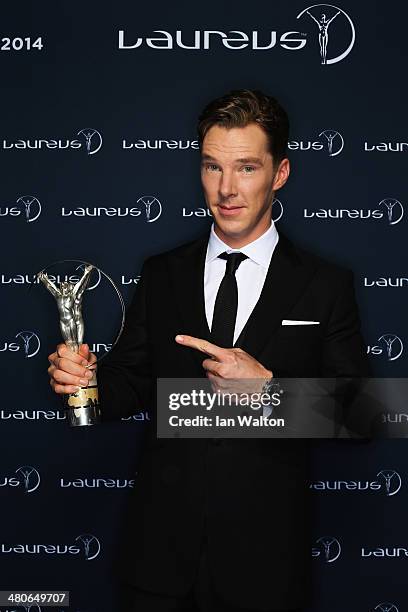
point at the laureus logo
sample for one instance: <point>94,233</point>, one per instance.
<point>393,345</point>
<point>395,210</point>
<point>30,342</point>
<point>392,481</point>
<point>386,607</point>
<point>323,16</point>
<point>329,141</point>
<point>333,140</point>
<point>31,207</point>
<point>93,140</point>
<point>91,545</point>
<point>152,207</point>
<point>29,477</point>
<point>328,548</point>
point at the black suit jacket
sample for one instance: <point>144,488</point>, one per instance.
<point>250,495</point>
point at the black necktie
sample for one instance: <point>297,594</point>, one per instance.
<point>226,302</point>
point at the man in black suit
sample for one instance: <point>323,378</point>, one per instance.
<point>225,523</point>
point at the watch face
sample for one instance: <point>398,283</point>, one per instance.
<point>273,386</point>
<point>267,386</point>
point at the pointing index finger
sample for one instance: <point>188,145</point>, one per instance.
<point>201,345</point>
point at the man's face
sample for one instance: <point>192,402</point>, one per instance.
<point>239,180</point>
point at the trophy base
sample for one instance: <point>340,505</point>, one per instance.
<point>86,415</point>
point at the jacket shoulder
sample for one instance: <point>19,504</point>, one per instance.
<point>182,250</point>
<point>324,270</point>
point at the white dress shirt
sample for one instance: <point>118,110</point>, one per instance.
<point>250,275</point>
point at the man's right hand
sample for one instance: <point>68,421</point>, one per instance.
<point>69,370</point>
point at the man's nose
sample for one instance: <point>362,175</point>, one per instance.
<point>227,185</point>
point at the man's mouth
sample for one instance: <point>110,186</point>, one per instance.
<point>229,210</point>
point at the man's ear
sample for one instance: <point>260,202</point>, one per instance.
<point>282,174</point>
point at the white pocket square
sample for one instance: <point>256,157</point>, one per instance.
<point>292,322</point>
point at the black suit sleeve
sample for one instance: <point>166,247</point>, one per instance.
<point>344,352</point>
<point>124,376</point>
<point>345,358</point>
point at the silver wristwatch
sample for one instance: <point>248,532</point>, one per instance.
<point>272,386</point>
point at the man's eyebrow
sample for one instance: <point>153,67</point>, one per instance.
<point>241,160</point>
<point>250,160</point>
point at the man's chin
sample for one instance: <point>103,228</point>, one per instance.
<point>229,225</point>
<point>233,228</point>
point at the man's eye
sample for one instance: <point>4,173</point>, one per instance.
<point>210,167</point>
<point>248,169</point>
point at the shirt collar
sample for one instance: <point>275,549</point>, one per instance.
<point>259,250</point>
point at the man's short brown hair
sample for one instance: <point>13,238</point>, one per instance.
<point>241,107</point>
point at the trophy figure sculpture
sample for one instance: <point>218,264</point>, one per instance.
<point>82,406</point>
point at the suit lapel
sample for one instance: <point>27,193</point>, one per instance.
<point>187,271</point>
<point>286,280</point>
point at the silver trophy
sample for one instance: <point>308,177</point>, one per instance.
<point>82,407</point>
